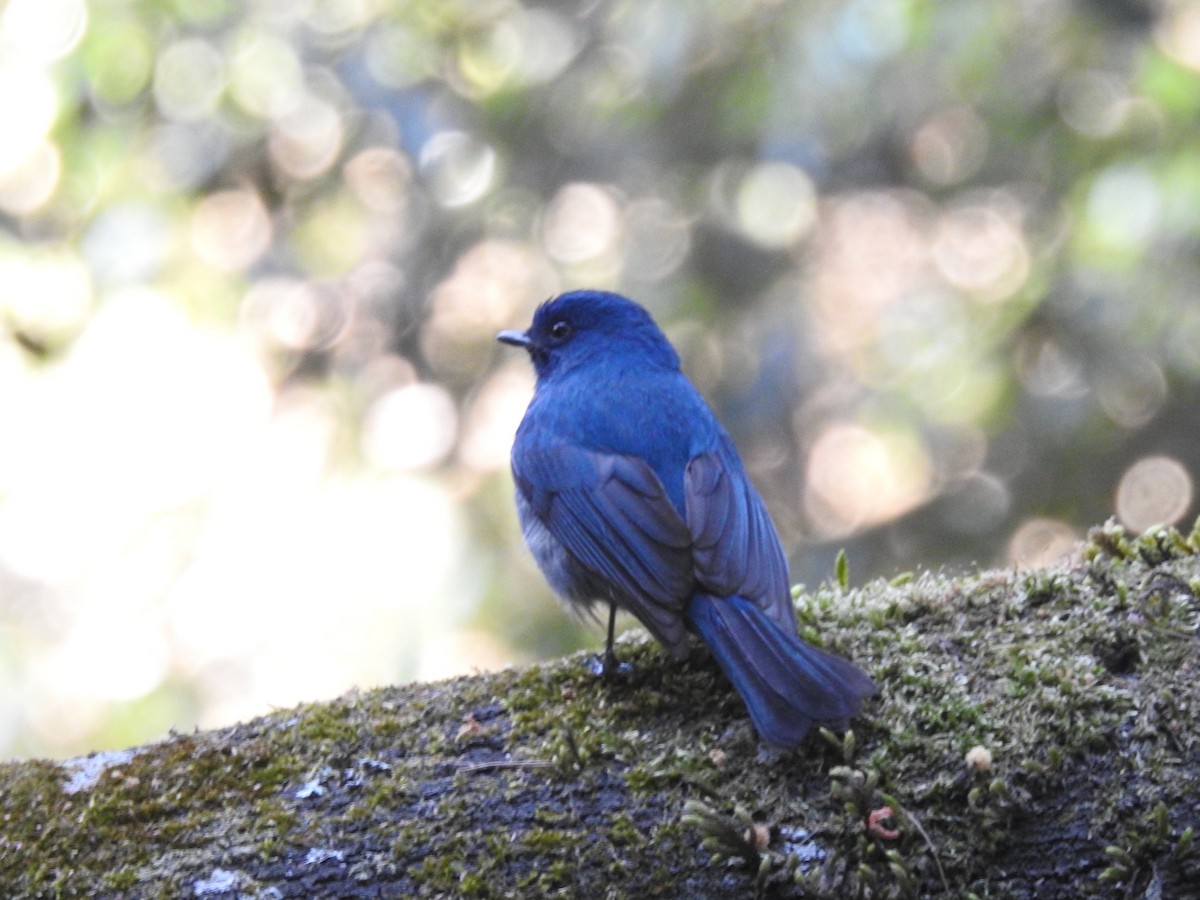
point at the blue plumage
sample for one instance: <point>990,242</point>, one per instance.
<point>631,493</point>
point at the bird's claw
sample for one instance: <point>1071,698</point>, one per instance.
<point>608,667</point>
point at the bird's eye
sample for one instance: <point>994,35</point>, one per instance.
<point>560,330</point>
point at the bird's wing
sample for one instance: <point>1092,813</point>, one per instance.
<point>613,515</point>
<point>735,548</point>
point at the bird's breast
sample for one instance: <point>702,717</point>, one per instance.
<point>549,553</point>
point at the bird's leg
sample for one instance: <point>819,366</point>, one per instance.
<point>608,666</point>
<point>611,666</point>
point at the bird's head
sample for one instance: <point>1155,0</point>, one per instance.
<point>591,327</point>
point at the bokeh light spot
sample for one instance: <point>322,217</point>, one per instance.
<point>458,167</point>
<point>859,477</point>
<point>873,252</point>
<point>493,417</point>
<point>443,655</point>
<point>230,229</point>
<point>583,222</point>
<point>657,239</point>
<point>981,250</point>
<point>126,655</point>
<point>776,204</point>
<point>293,313</point>
<point>30,105</point>
<point>411,427</point>
<point>1132,392</point>
<point>1093,103</point>
<point>1177,32</point>
<point>548,42</point>
<point>127,242</point>
<point>975,504</point>
<point>950,146</point>
<point>380,178</point>
<point>398,54</point>
<point>119,58</point>
<point>1155,490</point>
<point>185,155</point>
<point>1124,206</point>
<point>265,74</point>
<point>44,30</point>
<point>189,79</point>
<point>46,294</point>
<point>1041,542</point>
<point>524,47</point>
<point>481,296</point>
<point>306,140</point>
<point>150,413</point>
<point>31,182</point>
<point>1047,369</point>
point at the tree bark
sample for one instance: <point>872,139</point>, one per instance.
<point>1035,736</point>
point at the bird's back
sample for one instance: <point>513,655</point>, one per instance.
<point>655,415</point>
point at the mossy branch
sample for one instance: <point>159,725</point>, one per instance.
<point>1036,736</point>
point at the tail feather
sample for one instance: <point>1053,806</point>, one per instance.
<point>786,683</point>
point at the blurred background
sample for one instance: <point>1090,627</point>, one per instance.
<point>934,263</point>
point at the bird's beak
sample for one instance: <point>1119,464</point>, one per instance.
<point>516,338</point>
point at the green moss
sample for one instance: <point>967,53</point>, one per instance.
<point>622,831</point>
<point>1080,681</point>
<point>548,840</point>
<point>120,879</point>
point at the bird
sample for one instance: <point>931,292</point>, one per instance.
<point>630,492</point>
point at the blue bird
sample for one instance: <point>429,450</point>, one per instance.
<point>630,493</point>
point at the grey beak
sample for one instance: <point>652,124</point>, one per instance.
<point>516,338</point>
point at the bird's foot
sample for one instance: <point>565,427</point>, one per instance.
<point>608,667</point>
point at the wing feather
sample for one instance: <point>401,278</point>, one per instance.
<point>735,547</point>
<point>612,514</point>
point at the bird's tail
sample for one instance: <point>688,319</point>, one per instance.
<point>786,683</point>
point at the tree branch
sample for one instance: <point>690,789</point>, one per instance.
<point>1035,736</point>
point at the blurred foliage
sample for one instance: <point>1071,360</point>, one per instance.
<point>934,264</point>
